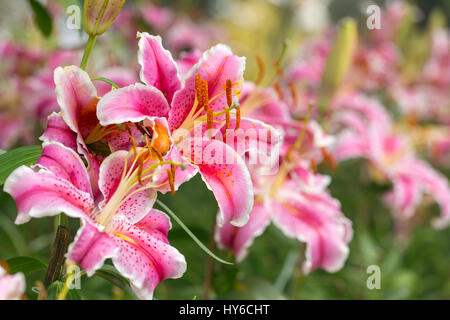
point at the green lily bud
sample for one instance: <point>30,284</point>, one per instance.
<point>100,14</point>
<point>338,61</point>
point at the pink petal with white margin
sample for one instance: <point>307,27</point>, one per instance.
<point>91,247</point>
<point>239,239</point>
<point>432,183</point>
<point>405,196</point>
<point>145,255</point>
<point>65,164</point>
<point>137,205</point>
<point>57,130</point>
<point>326,234</point>
<point>38,193</point>
<point>76,96</point>
<point>227,176</point>
<point>158,69</point>
<point>216,66</point>
<point>133,103</point>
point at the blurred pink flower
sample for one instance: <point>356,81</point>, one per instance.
<point>368,133</point>
<point>12,287</point>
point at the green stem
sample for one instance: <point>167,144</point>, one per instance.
<point>189,232</point>
<point>87,51</point>
<point>69,278</point>
<point>209,267</point>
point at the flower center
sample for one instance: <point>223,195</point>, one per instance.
<point>202,112</point>
<point>137,176</point>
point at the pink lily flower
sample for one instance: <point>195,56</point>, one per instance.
<point>303,209</point>
<point>77,97</point>
<point>202,104</point>
<point>369,134</point>
<point>12,287</point>
<point>122,226</point>
<point>299,205</point>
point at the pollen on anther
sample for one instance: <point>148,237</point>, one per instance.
<point>198,88</point>
<point>238,118</point>
<point>228,88</point>
<point>205,94</point>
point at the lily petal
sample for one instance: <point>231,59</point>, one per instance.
<point>239,239</point>
<point>158,69</point>
<point>227,176</point>
<point>38,193</point>
<point>77,97</point>
<point>91,247</point>
<point>136,206</point>
<point>57,130</point>
<point>326,233</point>
<point>133,103</point>
<point>145,255</point>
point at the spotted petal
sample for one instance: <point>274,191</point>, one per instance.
<point>226,174</point>
<point>145,255</point>
<point>91,247</point>
<point>58,184</point>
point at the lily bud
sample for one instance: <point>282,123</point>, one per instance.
<point>100,14</point>
<point>338,61</point>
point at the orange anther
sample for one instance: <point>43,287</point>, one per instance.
<point>171,177</point>
<point>313,165</point>
<point>277,88</point>
<point>205,95</point>
<point>229,92</point>
<point>209,118</point>
<point>329,159</point>
<point>227,120</point>
<point>262,69</point>
<point>198,88</point>
<point>293,93</point>
<point>238,118</point>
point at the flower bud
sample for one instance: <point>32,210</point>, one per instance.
<point>338,61</point>
<point>100,14</point>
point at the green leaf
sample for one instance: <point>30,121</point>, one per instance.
<point>109,273</point>
<point>42,18</point>
<point>15,158</point>
<point>25,265</point>
<point>55,288</point>
<point>189,232</point>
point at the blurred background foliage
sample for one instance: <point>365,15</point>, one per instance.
<point>415,266</point>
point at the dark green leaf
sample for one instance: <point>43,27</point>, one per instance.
<point>25,265</point>
<point>42,18</point>
<point>109,273</point>
<point>15,158</point>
